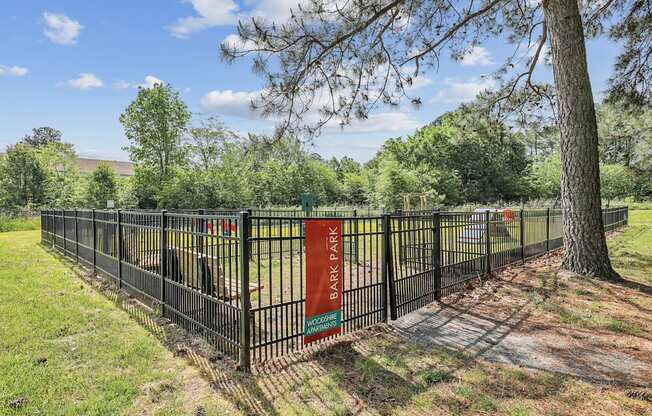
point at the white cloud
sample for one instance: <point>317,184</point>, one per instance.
<point>210,13</point>
<point>462,91</point>
<point>214,13</point>
<point>61,29</point>
<point>150,81</point>
<point>391,123</point>
<point>419,82</point>
<point>121,85</point>
<point>228,102</point>
<point>275,10</point>
<point>235,41</point>
<point>86,80</point>
<point>477,55</point>
<point>14,71</point>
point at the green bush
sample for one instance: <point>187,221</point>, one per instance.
<point>19,223</point>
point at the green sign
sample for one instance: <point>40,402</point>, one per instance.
<point>307,202</point>
<point>322,323</point>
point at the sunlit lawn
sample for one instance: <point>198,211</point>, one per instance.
<point>67,350</point>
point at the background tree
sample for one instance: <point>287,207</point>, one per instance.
<point>205,140</point>
<point>23,178</point>
<point>154,124</point>
<point>366,53</point>
<point>392,184</point>
<point>464,156</point>
<point>42,136</point>
<point>616,181</point>
<point>63,187</point>
<point>102,186</point>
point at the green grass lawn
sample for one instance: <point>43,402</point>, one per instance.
<point>631,251</point>
<point>67,350</point>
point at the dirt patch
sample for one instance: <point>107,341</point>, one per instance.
<point>528,316</point>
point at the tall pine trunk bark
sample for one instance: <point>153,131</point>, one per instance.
<point>584,239</point>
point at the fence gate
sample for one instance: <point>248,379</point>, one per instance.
<point>413,261</point>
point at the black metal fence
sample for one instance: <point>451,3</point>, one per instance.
<point>238,278</point>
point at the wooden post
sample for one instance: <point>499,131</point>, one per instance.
<point>245,298</point>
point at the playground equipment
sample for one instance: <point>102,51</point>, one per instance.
<point>407,201</point>
<point>474,231</point>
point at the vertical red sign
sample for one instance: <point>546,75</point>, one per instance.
<point>323,279</point>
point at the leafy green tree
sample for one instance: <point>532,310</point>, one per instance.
<point>42,136</point>
<point>625,134</point>
<point>354,188</point>
<point>102,186</point>
<point>206,139</point>
<point>64,187</point>
<point>616,181</point>
<point>23,178</point>
<point>469,156</point>
<point>126,194</point>
<point>545,177</point>
<point>154,124</point>
<point>393,182</point>
<point>147,186</point>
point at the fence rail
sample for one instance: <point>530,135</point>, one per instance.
<point>238,278</point>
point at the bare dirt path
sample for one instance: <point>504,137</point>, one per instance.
<point>527,317</point>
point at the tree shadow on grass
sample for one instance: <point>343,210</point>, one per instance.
<point>372,383</point>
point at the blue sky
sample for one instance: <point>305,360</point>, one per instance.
<point>75,66</point>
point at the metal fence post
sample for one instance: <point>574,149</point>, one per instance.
<point>63,217</point>
<point>547,229</point>
<point>251,255</point>
<point>389,267</point>
<point>355,233</point>
<point>94,226</point>
<point>488,240</point>
<point>400,236</point>
<point>436,252</point>
<point>163,242</point>
<point>522,233</point>
<point>245,298</point>
<point>383,272</point>
<point>53,236</point>
<point>118,224</point>
<point>76,239</point>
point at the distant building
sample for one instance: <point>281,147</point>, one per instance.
<point>87,166</point>
<point>123,169</point>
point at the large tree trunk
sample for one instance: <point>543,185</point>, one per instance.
<point>584,239</point>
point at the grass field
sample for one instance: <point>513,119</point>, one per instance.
<point>66,349</point>
<point>632,252</point>
<point>19,224</point>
